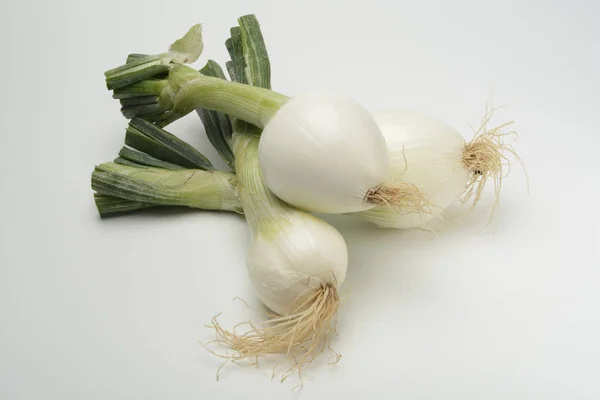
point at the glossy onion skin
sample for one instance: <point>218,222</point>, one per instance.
<point>426,152</point>
<point>322,152</point>
<point>299,254</point>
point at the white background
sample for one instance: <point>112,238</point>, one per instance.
<point>113,309</point>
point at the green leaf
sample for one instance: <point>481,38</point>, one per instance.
<point>110,205</point>
<point>162,145</point>
<point>140,158</point>
<point>187,49</point>
<point>135,57</point>
<point>212,68</point>
<point>256,58</point>
<point>127,187</point>
<point>236,53</point>
<point>135,71</point>
<point>209,190</point>
<point>217,125</point>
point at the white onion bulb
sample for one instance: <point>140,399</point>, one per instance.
<point>296,263</point>
<point>295,257</point>
<point>426,152</point>
<point>323,152</point>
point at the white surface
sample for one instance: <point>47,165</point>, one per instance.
<point>113,309</point>
<point>337,134</point>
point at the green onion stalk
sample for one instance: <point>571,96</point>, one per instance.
<point>158,169</point>
<point>161,89</point>
<point>184,90</point>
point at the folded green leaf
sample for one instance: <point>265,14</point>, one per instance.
<point>109,205</point>
<point>256,58</point>
<point>217,125</point>
<point>134,57</point>
<point>160,144</point>
<point>208,190</point>
<point>140,158</point>
<point>236,53</point>
<point>139,67</point>
<point>187,49</point>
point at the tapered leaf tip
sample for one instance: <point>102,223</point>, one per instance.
<point>188,49</point>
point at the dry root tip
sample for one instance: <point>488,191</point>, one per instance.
<point>299,336</point>
<point>404,198</point>
<point>486,157</point>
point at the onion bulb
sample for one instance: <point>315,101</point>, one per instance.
<point>323,152</point>
<point>298,255</point>
<point>296,262</point>
<point>434,157</point>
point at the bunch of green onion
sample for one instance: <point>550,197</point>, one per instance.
<point>289,157</point>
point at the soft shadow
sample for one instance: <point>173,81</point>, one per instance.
<point>162,212</point>
<point>385,263</point>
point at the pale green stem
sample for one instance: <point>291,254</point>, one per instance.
<point>262,208</point>
<point>109,205</point>
<point>189,90</point>
<point>207,190</point>
<point>136,70</point>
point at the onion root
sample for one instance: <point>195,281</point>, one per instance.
<point>299,336</point>
<point>404,198</point>
<point>486,157</point>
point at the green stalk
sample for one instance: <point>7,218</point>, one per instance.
<point>217,125</point>
<point>144,88</point>
<point>164,146</point>
<point>256,58</point>
<point>236,53</point>
<point>109,205</point>
<point>135,158</point>
<point>207,190</point>
<point>135,57</point>
<point>160,169</point>
<point>262,208</point>
<point>144,93</point>
<point>124,161</point>
<point>188,90</point>
<point>140,67</point>
<point>152,177</point>
<point>218,128</point>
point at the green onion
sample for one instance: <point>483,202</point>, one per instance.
<point>144,92</point>
<point>186,89</point>
<point>184,50</point>
<point>110,205</point>
<point>137,158</point>
<point>135,57</point>
<point>208,190</point>
<point>296,261</point>
<point>217,125</point>
<point>160,169</point>
<point>236,66</point>
<point>156,142</point>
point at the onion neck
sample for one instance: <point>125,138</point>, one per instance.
<point>262,208</point>
<point>190,90</point>
<point>207,190</point>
